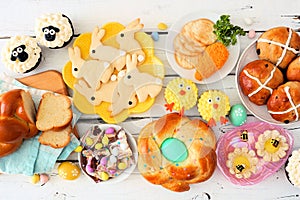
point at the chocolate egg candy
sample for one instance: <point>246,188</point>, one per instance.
<point>238,115</point>
<point>68,170</point>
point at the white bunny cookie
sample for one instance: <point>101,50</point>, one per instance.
<point>92,71</point>
<point>134,82</point>
<point>127,41</point>
<point>112,55</point>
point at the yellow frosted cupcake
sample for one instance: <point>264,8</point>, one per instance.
<point>180,94</point>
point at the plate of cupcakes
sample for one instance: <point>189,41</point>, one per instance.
<point>268,78</point>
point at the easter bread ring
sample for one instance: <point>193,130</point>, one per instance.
<point>175,151</point>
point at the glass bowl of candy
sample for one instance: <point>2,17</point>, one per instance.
<point>109,153</point>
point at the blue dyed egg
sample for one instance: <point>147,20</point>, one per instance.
<point>238,115</point>
<point>155,36</point>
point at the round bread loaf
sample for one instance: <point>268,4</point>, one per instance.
<point>284,103</point>
<point>258,79</point>
<point>175,151</point>
<point>293,71</point>
<point>278,45</point>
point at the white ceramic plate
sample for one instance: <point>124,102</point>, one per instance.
<point>234,51</point>
<point>260,112</point>
<point>125,174</point>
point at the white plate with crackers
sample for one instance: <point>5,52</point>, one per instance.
<point>176,28</point>
<point>261,112</point>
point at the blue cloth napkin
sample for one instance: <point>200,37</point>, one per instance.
<point>33,157</point>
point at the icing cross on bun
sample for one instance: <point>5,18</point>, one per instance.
<point>284,103</point>
<point>175,152</point>
<point>278,45</point>
<point>258,79</point>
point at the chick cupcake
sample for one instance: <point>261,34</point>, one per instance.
<point>293,168</point>
<point>181,94</point>
<point>213,106</point>
<point>21,54</point>
<point>54,30</point>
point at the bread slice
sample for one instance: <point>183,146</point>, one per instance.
<point>54,112</point>
<point>56,138</point>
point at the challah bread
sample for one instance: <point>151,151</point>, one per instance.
<point>54,112</point>
<point>56,138</point>
<point>17,120</point>
<point>175,151</point>
<point>278,45</point>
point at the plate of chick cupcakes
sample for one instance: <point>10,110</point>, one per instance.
<point>268,78</point>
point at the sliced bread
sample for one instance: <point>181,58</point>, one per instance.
<point>56,138</point>
<point>54,112</point>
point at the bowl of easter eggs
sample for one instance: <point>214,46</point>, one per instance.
<point>109,153</point>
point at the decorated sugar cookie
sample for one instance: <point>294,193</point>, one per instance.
<point>21,54</point>
<point>113,71</point>
<point>271,145</point>
<point>213,106</point>
<point>181,94</point>
<point>242,162</point>
<point>54,30</point>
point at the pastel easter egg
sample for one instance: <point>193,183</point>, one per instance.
<point>68,170</point>
<point>122,165</point>
<point>155,36</point>
<point>238,115</point>
<point>35,178</point>
<point>110,130</point>
<point>162,26</point>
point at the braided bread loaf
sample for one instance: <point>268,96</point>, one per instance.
<point>175,151</point>
<point>17,120</point>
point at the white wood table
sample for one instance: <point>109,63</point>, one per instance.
<point>18,18</point>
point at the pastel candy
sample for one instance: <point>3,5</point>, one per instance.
<point>162,26</point>
<point>103,161</point>
<point>122,165</point>
<point>105,140</point>
<point>104,176</point>
<point>115,151</point>
<point>110,130</point>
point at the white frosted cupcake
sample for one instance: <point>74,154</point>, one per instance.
<point>293,168</point>
<point>21,54</point>
<point>54,30</point>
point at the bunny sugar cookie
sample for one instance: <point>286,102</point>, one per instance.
<point>95,95</point>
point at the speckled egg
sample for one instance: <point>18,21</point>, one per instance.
<point>68,171</point>
<point>238,115</point>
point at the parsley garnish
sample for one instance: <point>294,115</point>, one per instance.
<point>227,32</point>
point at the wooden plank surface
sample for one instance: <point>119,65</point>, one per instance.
<point>18,18</point>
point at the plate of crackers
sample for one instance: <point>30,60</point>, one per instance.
<point>194,52</point>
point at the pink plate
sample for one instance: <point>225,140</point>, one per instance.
<point>232,139</point>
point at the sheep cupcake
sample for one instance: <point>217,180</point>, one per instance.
<point>21,54</point>
<point>54,30</point>
<point>293,168</point>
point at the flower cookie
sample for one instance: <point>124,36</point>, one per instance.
<point>113,71</point>
<point>271,145</point>
<point>242,162</point>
